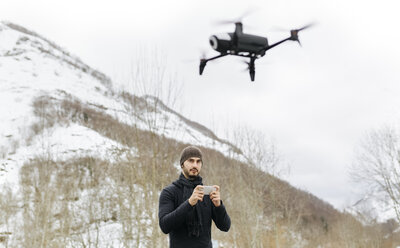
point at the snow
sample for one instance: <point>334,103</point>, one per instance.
<point>373,206</point>
<point>67,141</point>
<point>102,234</point>
<point>32,67</point>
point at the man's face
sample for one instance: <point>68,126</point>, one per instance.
<point>191,167</point>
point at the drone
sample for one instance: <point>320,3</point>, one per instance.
<point>244,45</point>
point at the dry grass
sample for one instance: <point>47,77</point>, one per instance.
<point>63,199</point>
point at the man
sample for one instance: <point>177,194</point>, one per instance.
<point>185,212</point>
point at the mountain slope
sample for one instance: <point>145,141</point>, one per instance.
<point>33,67</point>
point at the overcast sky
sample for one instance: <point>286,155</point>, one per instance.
<point>316,101</point>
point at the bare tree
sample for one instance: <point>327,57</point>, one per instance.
<point>378,166</point>
<point>151,94</point>
<point>259,150</point>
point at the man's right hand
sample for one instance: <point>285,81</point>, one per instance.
<point>197,195</point>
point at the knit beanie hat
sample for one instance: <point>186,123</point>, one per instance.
<point>190,151</point>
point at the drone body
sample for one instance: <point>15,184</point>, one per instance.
<point>244,45</point>
<point>238,42</point>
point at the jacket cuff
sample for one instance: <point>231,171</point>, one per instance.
<point>187,205</point>
<point>219,209</point>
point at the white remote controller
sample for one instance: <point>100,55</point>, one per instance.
<point>209,189</point>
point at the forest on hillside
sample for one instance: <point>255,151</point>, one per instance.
<point>91,202</point>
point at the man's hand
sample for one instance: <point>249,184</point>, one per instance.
<point>197,195</point>
<point>215,196</point>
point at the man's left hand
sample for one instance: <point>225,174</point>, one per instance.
<point>215,196</point>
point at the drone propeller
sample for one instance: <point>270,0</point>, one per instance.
<point>248,65</point>
<point>225,22</point>
<point>259,64</point>
<point>278,29</point>
<point>203,56</point>
<point>294,33</point>
<point>306,26</point>
<point>236,20</point>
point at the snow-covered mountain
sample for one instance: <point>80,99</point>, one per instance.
<point>48,102</point>
<point>37,78</point>
<point>32,67</point>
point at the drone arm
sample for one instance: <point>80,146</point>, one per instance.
<point>294,36</point>
<point>275,44</point>
<point>203,62</point>
<point>216,57</point>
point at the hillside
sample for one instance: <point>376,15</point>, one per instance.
<point>34,68</point>
<point>82,164</point>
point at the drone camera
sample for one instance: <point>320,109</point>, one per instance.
<point>221,42</point>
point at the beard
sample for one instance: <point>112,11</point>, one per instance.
<point>190,174</point>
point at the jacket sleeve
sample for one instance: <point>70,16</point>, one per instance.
<point>170,218</point>
<point>221,218</point>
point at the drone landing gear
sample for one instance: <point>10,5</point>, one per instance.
<point>204,61</point>
<point>251,64</point>
<point>252,68</point>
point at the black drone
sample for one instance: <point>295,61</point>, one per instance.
<point>244,45</point>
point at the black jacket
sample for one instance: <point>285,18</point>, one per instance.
<point>172,215</point>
